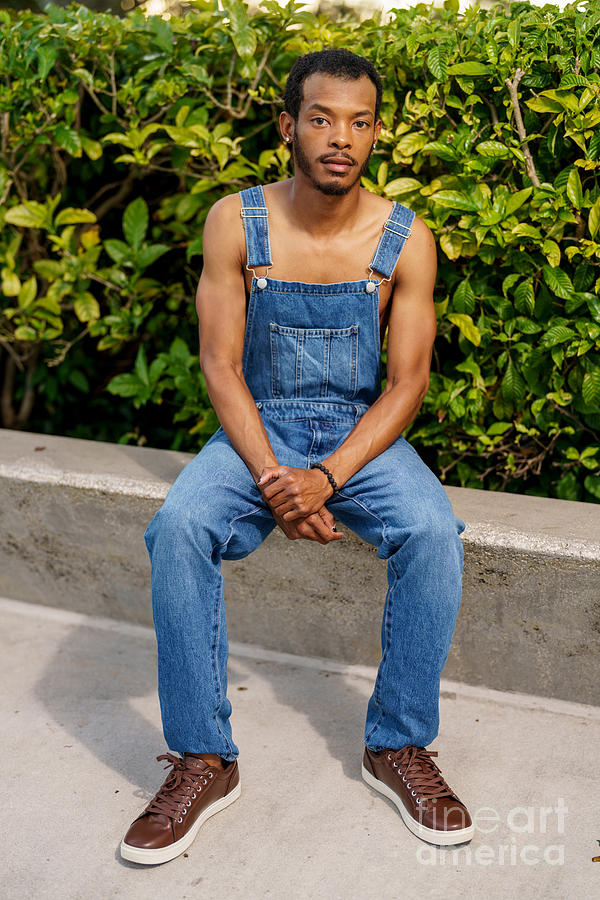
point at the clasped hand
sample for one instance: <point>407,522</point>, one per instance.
<point>296,497</point>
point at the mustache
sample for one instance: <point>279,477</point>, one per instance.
<point>338,156</point>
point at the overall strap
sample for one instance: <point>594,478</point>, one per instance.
<point>255,214</point>
<point>395,232</point>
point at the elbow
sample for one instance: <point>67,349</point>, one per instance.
<point>215,367</point>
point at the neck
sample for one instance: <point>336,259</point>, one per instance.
<point>322,214</point>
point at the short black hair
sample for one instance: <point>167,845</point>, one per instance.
<point>340,63</point>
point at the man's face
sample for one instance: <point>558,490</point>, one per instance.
<point>335,131</point>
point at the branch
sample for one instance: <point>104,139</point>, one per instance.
<point>116,199</point>
<point>513,87</point>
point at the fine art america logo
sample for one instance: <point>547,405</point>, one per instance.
<point>512,845</point>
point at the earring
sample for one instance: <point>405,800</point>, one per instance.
<point>287,140</point>
<point>374,145</point>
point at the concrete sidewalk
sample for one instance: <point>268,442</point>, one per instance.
<point>81,730</point>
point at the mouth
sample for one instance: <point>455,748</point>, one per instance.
<point>338,164</point>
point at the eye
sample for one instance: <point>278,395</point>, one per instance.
<point>319,120</point>
<point>362,125</point>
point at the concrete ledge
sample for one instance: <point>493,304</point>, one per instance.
<point>73,513</point>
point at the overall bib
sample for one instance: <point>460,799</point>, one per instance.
<point>312,363</point>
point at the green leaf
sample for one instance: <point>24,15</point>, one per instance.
<point>149,255</point>
<point>141,366</point>
<point>514,32</point>
<point>91,148</point>
<point>517,200</point>
<point>464,298</point>
<point>558,281</point>
<point>513,387</point>
<point>135,222</point>
<point>454,200</point>
<point>551,251</point>
<point>590,388</point>
<point>28,293</point>
<point>441,150</point>
<point>437,63</point>
<point>409,144</point>
<point>118,251</point>
<point>493,149</point>
<point>126,385</point>
<point>469,68</point>
<point>467,326</point>
<point>594,218</point>
<point>557,334</point>
<point>26,333</point>
<point>46,57</point>
<point>27,215</point>
<point>524,297</point>
<point>400,186</point>
<point>499,428</point>
<point>86,307</point>
<point>71,216</point>
<point>592,484</point>
<point>68,139</point>
<point>567,487</point>
<point>574,189</point>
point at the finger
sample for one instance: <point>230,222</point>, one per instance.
<point>269,473</point>
<point>321,528</point>
<point>327,517</point>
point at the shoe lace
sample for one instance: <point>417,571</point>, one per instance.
<point>421,773</point>
<point>179,788</point>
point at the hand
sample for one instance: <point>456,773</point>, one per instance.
<point>316,527</point>
<point>294,493</point>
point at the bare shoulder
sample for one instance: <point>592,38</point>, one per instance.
<point>223,230</point>
<point>417,265</point>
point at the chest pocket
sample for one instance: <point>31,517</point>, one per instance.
<point>313,362</point>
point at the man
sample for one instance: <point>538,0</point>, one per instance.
<point>300,281</point>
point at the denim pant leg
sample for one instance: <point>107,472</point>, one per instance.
<point>397,503</point>
<point>213,511</point>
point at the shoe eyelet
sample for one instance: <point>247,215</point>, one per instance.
<point>184,812</point>
<point>403,778</point>
<point>204,781</point>
<point>418,801</point>
<point>389,757</point>
<point>210,775</point>
<point>395,765</point>
<point>408,784</point>
<point>413,793</point>
<point>189,803</point>
<point>180,819</point>
<point>194,795</point>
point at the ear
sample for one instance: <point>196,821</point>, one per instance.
<point>286,125</point>
<point>377,130</point>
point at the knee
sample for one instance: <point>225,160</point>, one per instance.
<point>173,524</point>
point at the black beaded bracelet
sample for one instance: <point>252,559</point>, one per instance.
<point>329,476</point>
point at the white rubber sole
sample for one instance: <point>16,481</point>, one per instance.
<point>164,854</point>
<point>431,835</point>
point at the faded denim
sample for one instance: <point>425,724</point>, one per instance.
<point>312,363</point>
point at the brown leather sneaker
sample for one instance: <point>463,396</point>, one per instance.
<point>192,792</point>
<point>413,782</point>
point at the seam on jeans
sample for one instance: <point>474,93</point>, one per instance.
<point>216,631</point>
<point>370,511</point>
<point>231,524</point>
<point>384,655</point>
<point>216,635</point>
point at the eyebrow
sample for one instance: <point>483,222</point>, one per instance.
<point>325,109</point>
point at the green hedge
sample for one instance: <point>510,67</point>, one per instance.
<point>117,135</point>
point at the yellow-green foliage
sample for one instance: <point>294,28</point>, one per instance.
<point>118,134</point>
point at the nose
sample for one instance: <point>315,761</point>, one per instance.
<point>340,139</point>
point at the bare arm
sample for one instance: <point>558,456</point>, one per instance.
<point>411,333</point>
<point>221,308</point>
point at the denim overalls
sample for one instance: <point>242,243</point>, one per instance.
<point>312,363</point>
